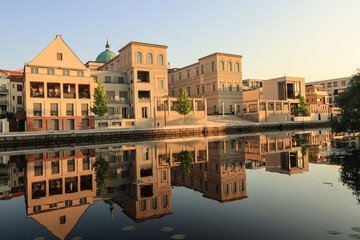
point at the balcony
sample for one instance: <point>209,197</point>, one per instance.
<point>69,91</point>
<point>84,91</point>
<point>37,113</point>
<point>144,95</point>
<point>53,90</point>
<point>4,102</point>
<point>3,90</point>
<point>143,77</point>
<point>36,90</point>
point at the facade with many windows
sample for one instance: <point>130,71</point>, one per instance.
<point>216,78</point>
<point>333,87</point>
<point>58,90</point>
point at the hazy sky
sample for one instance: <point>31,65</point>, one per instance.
<point>315,39</point>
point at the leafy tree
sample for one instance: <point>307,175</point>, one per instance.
<point>303,107</point>
<point>349,103</point>
<point>102,174</point>
<point>186,160</point>
<point>183,104</point>
<point>305,145</point>
<point>101,101</point>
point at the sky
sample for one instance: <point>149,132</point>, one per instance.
<point>314,39</point>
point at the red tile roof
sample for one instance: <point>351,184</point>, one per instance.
<point>12,73</point>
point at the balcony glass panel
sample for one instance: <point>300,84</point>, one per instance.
<point>69,91</point>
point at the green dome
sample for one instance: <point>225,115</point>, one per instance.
<point>106,55</point>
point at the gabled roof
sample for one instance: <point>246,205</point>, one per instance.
<point>48,57</point>
<point>12,73</point>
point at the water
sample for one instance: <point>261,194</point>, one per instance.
<point>261,186</point>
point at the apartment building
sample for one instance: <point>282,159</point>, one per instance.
<point>318,102</point>
<point>58,90</point>
<point>216,78</point>
<point>136,83</point>
<point>4,93</point>
<point>333,87</point>
<point>273,99</point>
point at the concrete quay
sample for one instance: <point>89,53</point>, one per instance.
<point>20,140</point>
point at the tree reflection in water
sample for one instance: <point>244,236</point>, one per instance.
<point>350,169</point>
<point>186,160</point>
<point>102,172</point>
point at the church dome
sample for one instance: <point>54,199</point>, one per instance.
<point>106,55</point>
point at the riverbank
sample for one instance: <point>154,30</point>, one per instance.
<point>12,141</point>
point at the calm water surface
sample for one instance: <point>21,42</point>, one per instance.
<point>288,185</point>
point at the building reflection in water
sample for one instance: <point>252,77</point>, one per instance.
<point>60,186</point>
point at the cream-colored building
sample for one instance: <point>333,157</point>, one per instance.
<point>216,77</point>
<point>58,90</point>
<point>136,83</point>
<point>273,99</point>
<point>4,93</point>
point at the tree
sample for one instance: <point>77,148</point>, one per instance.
<point>101,101</point>
<point>349,103</point>
<point>186,160</point>
<point>183,104</point>
<point>102,174</point>
<point>303,107</point>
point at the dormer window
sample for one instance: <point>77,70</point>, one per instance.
<point>59,56</point>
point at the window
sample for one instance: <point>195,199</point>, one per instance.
<point>198,90</point>
<point>66,73</point>
<point>69,109</point>
<point>343,83</point>
<point>241,186</point>
<point>51,72</point>
<point>38,167</point>
<point>197,72</point>
<point>59,56</point>
<point>85,122</point>
<point>71,165</point>
<point>335,84</point>
<point>19,87</point>
<point>203,89</point>
<point>213,66</point>
<point>202,69</point>
<point>13,97</point>
<point>329,84</point>
<point>154,203</point>
<point>144,112</point>
<point>161,84</point>
<point>123,95</point>
<point>188,75</point>
<point>37,208</point>
<point>111,111</point>
<point>164,201</point>
<point>86,164</point>
<point>237,67</point>
<point>111,95</point>
<point>161,59</point>
<point>231,108</point>
<point>80,74</point>
<point>13,86</point>
<point>53,205</point>
<point>164,175</point>
<point>68,203</point>
<point>142,205</point>
<point>238,88</point>
<point>120,80</point>
<point>145,154</point>
<point>19,99</point>
<point>54,109</point>
<point>233,187</point>
<point>230,87</point>
<point>83,200</point>
<point>138,57</point>
<point>226,188</point>
<point>84,109</point>
<point>180,76</point>
<point>55,167</point>
<point>150,58</point>
<point>229,66</point>
<point>222,87</point>
<point>37,109</point>
<point>107,79</point>
<point>214,88</point>
<point>37,123</point>
<point>221,65</point>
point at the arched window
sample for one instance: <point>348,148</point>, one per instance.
<point>150,58</point>
<point>202,69</point>
<point>229,66</point>
<point>222,65</point>
<point>233,187</point>
<point>237,67</point>
<point>142,205</point>
<point>161,59</point>
<point>138,57</point>
<point>154,203</point>
<point>226,188</point>
<point>213,66</point>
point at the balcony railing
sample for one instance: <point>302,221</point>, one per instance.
<point>54,113</point>
<point>4,102</point>
<point>69,113</point>
<point>36,95</point>
<point>37,113</point>
<point>69,95</point>
<point>53,95</point>
<point>3,90</point>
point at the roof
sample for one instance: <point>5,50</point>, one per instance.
<point>12,73</point>
<point>144,44</point>
<point>105,56</point>
<point>225,54</point>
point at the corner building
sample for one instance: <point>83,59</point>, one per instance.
<point>146,71</point>
<point>216,77</point>
<point>58,90</point>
